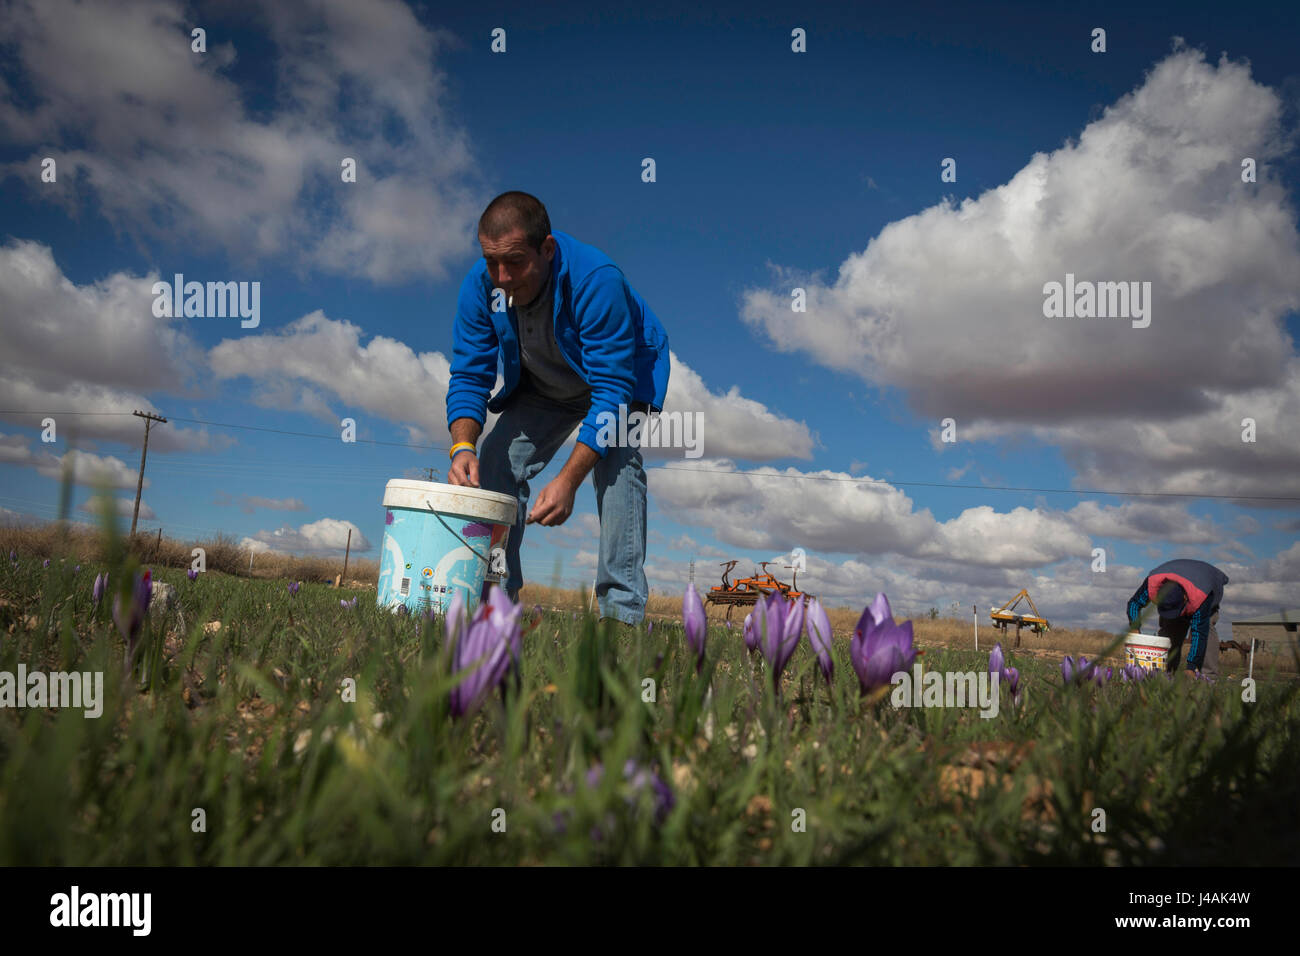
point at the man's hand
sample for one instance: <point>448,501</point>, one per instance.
<point>464,469</point>
<point>554,504</point>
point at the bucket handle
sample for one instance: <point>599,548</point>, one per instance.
<point>429,505</point>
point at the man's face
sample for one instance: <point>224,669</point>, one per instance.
<point>516,267</point>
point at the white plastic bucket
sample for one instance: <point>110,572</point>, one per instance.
<point>1147,650</point>
<point>440,539</point>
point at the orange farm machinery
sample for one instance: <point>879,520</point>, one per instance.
<point>747,591</point>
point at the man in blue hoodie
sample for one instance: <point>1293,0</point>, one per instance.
<point>577,346</point>
<point>1187,594</point>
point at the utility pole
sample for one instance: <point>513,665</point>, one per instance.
<point>347,553</point>
<point>431,472</point>
<point>149,419</point>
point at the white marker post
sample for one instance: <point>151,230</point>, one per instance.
<point>975,613</point>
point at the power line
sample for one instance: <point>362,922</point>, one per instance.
<point>251,428</point>
<point>281,431</point>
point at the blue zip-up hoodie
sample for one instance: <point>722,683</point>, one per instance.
<point>603,328</point>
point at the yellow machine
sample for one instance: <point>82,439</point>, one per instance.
<point>1006,615</point>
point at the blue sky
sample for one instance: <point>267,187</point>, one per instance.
<point>774,169</point>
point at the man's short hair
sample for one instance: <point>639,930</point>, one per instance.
<point>516,210</point>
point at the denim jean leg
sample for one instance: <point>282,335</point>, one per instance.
<point>520,445</point>
<point>621,588</point>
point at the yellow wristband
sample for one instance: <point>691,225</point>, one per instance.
<point>458,447</point>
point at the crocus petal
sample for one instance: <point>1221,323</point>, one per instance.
<point>997,661</point>
<point>879,666</point>
<point>1012,676</point>
<point>695,623</point>
<point>455,618</point>
<point>819,636</point>
<point>880,609</point>
<point>778,627</point>
<point>792,630</point>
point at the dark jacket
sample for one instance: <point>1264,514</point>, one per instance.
<point>1203,585</point>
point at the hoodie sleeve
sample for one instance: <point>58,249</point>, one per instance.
<point>1140,599</point>
<point>473,355</point>
<point>602,310</point>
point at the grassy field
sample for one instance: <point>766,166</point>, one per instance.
<point>245,745</point>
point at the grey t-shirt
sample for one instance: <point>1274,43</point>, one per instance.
<point>544,368</point>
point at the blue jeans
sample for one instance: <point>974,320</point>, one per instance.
<point>529,432</point>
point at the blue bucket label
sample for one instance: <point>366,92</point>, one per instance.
<point>424,563</point>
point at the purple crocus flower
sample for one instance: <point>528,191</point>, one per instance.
<point>455,620</point>
<point>778,625</point>
<point>1067,669</point>
<point>997,661</point>
<point>46,564</point>
<point>1012,677</point>
<point>77,569</point>
<point>506,617</point>
<point>484,646</point>
<point>819,636</point>
<point>348,604</point>
<point>192,574</point>
<point>639,777</point>
<point>665,800</point>
<point>649,628</point>
<point>97,591</point>
<point>751,639</point>
<point>1100,676</point>
<point>130,619</point>
<point>293,589</point>
<point>695,624</point>
<point>880,647</point>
